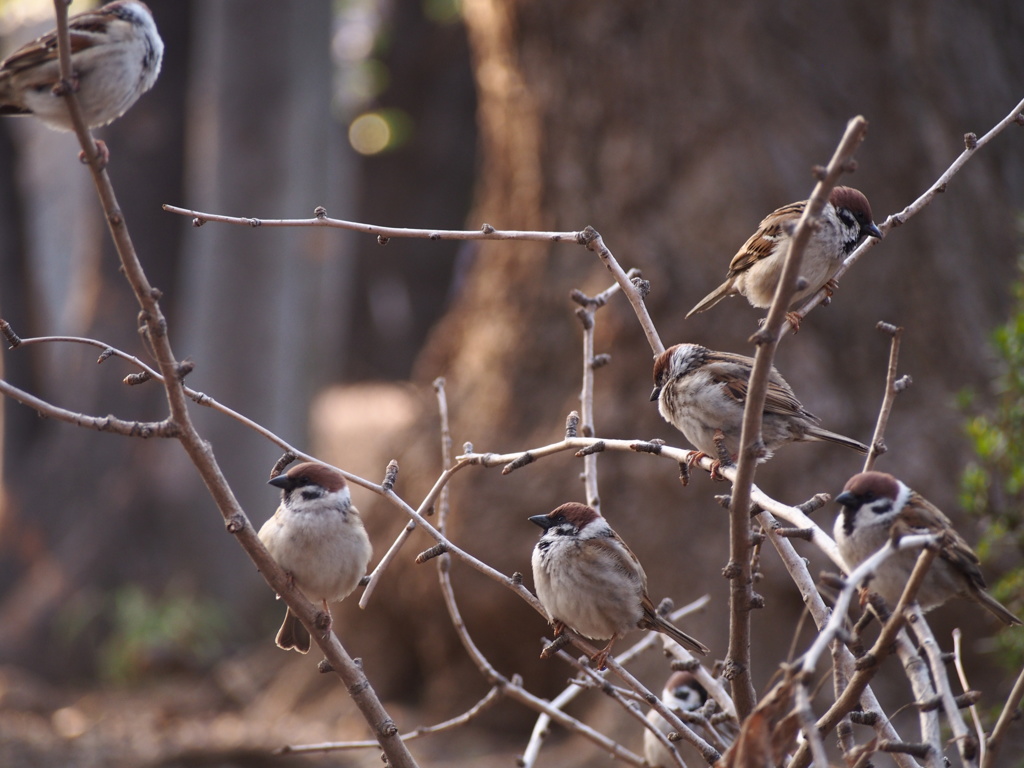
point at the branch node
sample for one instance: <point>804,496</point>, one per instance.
<point>572,423</point>
<point>106,353</point>
<point>813,504</point>
<point>678,665</point>
<point>324,667</point>
<point>522,461</point>
<point>684,473</point>
<point>390,475</point>
<point>554,646</point>
<point>649,446</point>
<point>756,601</point>
<point>255,223</point>
<point>320,212</point>
<point>600,361</point>
<point>971,140</point>
<point>643,287</point>
<point>517,578</point>
<point>382,240</point>
<point>184,368</point>
<point>586,318</point>
<point>286,458</point>
<point>906,747</point>
<point>9,334</point>
<point>235,523</point>
<point>587,235</point>
<point>1019,119</point>
<point>197,222</point>
<point>593,448</point>
<point>807,534</point>
<point>487,229</point>
<point>868,717</point>
<point>902,383</point>
<point>430,554</point>
<point>732,570</point>
<point>134,378</point>
<point>819,172</point>
<point>731,669</point>
<point>889,328</point>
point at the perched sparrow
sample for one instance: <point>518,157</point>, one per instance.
<point>701,392</point>
<point>116,55</point>
<point>755,270</point>
<point>682,693</point>
<point>877,507</point>
<point>317,536</point>
<point>587,578</point>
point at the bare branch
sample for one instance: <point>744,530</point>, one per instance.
<point>891,390</point>
<point>898,219</point>
<point>483,705</point>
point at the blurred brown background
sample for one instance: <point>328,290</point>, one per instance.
<point>670,127</point>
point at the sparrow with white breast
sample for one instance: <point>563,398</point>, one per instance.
<point>588,579</point>
<point>702,392</point>
<point>116,53</point>
<point>877,507</point>
<point>755,270</point>
<point>318,538</point>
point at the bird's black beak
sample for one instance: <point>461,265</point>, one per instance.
<point>655,394</point>
<point>281,481</point>
<point>847,499</point>
<point>872,230</point>
<point>543,521</point>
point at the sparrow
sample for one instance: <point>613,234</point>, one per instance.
<point>318,538</point>
<point>588,579</point>
<point>682,693</point>
<point>702,392</point>
<point>877,507</point>
<point>116,54</point>
<point>755,269</point>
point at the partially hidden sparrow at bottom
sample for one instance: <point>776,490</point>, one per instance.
<point>587,579</point>
<point>876,507</point>
<point>682,693</point>
<point>755,270</point>
<point>318,538</point>
<point>702,392</point>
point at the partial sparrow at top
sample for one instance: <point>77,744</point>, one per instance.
<point>116,53</point>
<point>588,579</point>
<point>755,270</point>
<point>877,507</point>
<point>702,392</point>
<point>317,537</point>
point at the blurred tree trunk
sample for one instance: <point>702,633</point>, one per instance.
<point>71,525</point>
<point>673,128</point>
<point>262,314</point>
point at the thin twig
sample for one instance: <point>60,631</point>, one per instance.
<point>484,704</point>
<point>958,661</point>
<point>966,745</point>
<point>891,391</point>
<point>898,219</point>
<point>1009,714</point>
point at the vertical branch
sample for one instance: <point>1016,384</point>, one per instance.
<point>741,593</point>
<point>590,238</point>
<point>893,387</point>
<point>587,427</point>
<point>965,741</point>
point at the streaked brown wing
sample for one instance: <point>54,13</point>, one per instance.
<point>763,241</point>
